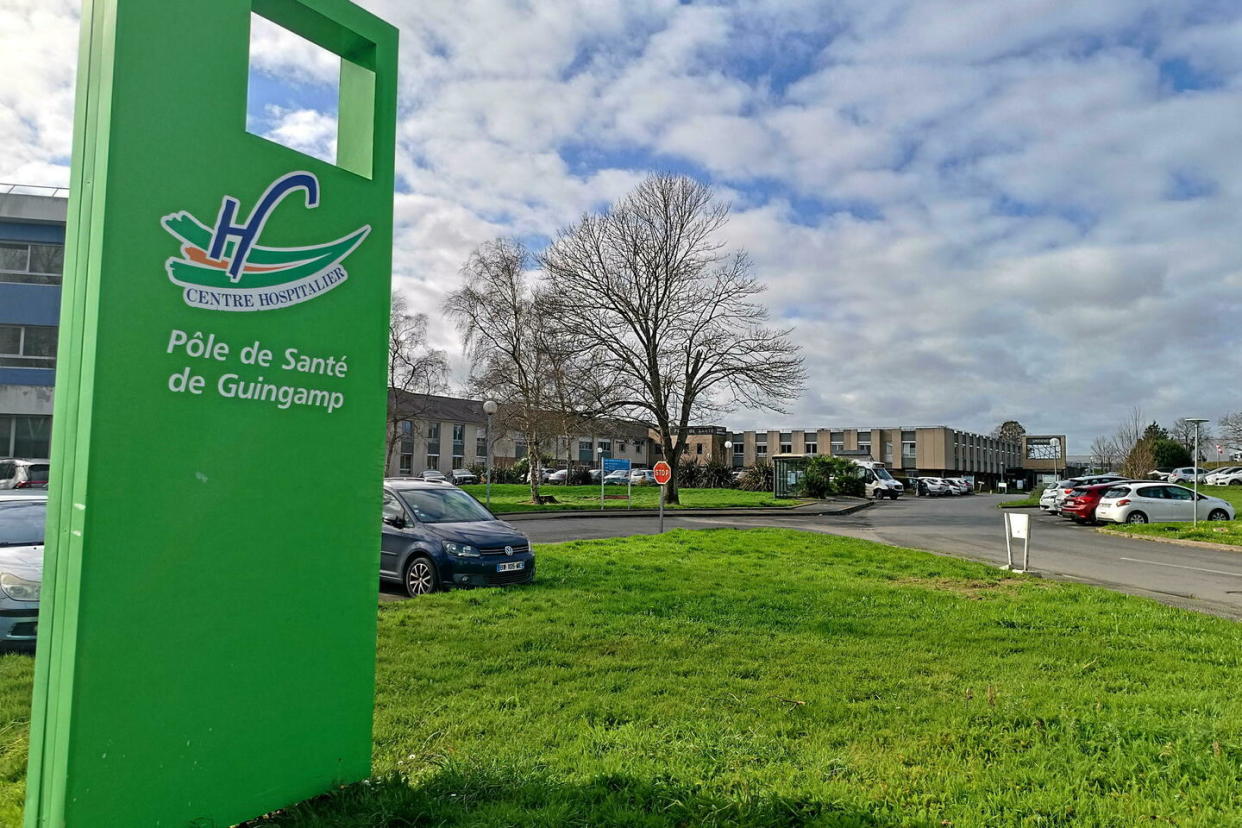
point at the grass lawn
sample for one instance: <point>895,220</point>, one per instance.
<point>511,497</point>
<point>778,678</point>
<point>1031,499</point>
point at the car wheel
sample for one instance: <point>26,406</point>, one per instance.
<point>1218,514</point>
<point>421,577</point>
<point>1235,482</point>
<point>1136,517</point>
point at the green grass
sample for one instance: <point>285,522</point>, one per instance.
<point>1031,499</point>
<point>510,497</point>
<point>778,678</point>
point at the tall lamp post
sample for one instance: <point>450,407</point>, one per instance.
<point>728,458</point>
<point>489,408</point>
<point>1196,421</point>
<point>600,451</point>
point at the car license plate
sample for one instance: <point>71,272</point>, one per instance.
<point>511,566</point>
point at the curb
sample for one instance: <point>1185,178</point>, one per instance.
<point>1219,547</point>
<point>761,511</point>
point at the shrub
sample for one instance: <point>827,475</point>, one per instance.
<point>825,476</point>
<point>580,476</point>
<point>757,478</point>
<point>717,475</point>
<point>689,474</point>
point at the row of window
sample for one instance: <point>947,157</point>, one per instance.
<point>40,264</point>
<point>27,346</point>
<point>28,436</point>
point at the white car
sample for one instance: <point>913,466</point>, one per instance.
<point>1159,503</point>
<point>433,476</point>
<point>619,477</point>
<point>1227,476</point>
<point>462,477</point>
<point>1187,474</point>
<point>1065,487</point>
<point>961,486</point>
<point>21,568</point>
<point>935,486</point>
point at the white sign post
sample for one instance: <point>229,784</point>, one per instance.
<point>1017,527</point>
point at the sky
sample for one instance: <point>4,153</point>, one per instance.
<point>969,211</point>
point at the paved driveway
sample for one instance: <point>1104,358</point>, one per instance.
<point>971,527</point>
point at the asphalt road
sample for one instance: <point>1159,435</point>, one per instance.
<point>971,527</point>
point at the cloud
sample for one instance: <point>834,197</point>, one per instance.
<point>968,210</point>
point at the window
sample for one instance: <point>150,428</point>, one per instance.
<point>864,446</point>
<point>27,346</point>
<point>433,461</point>
<point>761,449</point>
<point>698,448</point>
<point>836,447</point>
<point>787,448</point>
<point>812,448</point>
<point>480,446</point>
<point>433,431</point>
<point>907,450</point>
<point>459,433</point>
<point>405,464</point>
<point>606,446</point>
<point>25,436</point>
<point>40,264</point>
<point>888,452</point>
<point>584,451</point>
<point>459,445</point>
<point>459,462</point>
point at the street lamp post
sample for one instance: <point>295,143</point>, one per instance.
<point>1196,421</point>
<point>489,408</point>
<point>600,451</point>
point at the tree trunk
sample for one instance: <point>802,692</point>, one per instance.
<point>673,458</point>
<point>532,457</point>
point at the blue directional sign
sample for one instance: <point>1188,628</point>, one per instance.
<point>611,465</point>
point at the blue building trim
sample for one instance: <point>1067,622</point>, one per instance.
<point>28,376</point>
<point>22,304</point>
<point>29,232</point>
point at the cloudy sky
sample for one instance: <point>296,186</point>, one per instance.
<point>971,210</point>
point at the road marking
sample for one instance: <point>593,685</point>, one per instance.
<point>1179,566</point>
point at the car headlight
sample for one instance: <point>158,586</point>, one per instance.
<point>19,589</point>
<point>461,550</point>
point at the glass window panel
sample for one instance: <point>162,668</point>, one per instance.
<point>47,258</point>
<point>40,341</point>
<point>32,437</point>
<point>10,339</point>
<point>14,256</point>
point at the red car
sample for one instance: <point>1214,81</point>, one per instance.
<point>1080,504</point>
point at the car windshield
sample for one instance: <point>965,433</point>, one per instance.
<point>444,506</point>
<point>883,474</point>
<point>21,522</point>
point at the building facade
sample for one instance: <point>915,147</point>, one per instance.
<point>445,433</point>
<point>32,244</point>
<point>913,450</point>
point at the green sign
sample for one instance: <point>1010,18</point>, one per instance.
<point>207,632</point>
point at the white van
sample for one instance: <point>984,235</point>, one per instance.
<point>23,474</point>
<point>877,481</point>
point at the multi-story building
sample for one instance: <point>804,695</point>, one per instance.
<point>923,450</point>
<point>445,433</point>
<point>32,244</point>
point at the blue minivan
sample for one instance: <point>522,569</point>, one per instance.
<point>435,536</point>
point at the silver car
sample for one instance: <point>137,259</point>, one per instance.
<point>1187,474</point>
<point>21,568</point>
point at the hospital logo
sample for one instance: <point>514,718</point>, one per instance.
<point>223,267</point>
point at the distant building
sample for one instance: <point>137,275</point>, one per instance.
<point>929,451</point>
<point>445,433</point>
<point>32,245</point>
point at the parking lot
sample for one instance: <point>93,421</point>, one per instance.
<point>972,527</point>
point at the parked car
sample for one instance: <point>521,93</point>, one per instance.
<point>557,477</point>
<point>1187,474</point>
<point>21,568</point>
<point>1081,503</point>
<point>433,476</point>
<point>1066,487</point>
<point>1222,476</point>
<point>934,486</point>
<point>23,474</point>
<point>1158,503</point>
<point>594,475</point>
<point>619,477</point>
<point>642,477</point>
<point>1159,474</point>
<point>462,477</point>
<point>436,536</point>
<point>1048,497</point>
<point>544,474</point>
<point>960,484</point>
<point>1230,479</point>
<point>878,482</point>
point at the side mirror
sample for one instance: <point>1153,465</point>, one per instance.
<point>395,521</point>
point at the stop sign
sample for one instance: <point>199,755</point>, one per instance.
<point>663,472</point>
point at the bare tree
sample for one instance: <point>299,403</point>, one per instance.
<point>414,370</point>
<point>1231,430</point>
<point>1010,430</point>
<point>1183,433</point>
<point>518,356</point>
<point>1105,453</point>
<point>670,318</point>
